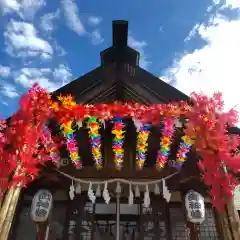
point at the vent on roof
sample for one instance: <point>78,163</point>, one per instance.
<point>119,52</point>
<point>120,33</point>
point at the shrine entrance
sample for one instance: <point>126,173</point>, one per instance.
<point>105,221</point>
<point>80,219</point>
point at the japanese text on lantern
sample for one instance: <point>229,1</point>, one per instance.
<point>41,206</point>
<point>194,203</point>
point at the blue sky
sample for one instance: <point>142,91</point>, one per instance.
<point>193,45</point>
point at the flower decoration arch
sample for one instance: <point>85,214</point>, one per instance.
<point>205,129</point>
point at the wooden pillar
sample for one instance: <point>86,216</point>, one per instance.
<point>7,211</point>
<point>234,219</point>
<point>41,230</point>
<point>224,225</point>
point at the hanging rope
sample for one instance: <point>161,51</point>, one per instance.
<point>117,180</point>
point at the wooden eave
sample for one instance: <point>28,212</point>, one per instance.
<point>101,85</point>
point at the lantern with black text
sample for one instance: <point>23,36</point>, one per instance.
<point>41,206</point>
<point>194,203</point>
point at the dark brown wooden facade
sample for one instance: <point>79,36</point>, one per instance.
<point>119,78</point>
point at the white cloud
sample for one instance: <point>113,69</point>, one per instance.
<point>94,20</point>
<point>9,6</point>
<point>96,37</point>
<point>8,89</point>
<point>73,21</point>
<point>234,4</point>
<point>70,10</point>
<point>3,103</point>
<point>26,77</point>
<point>192,33</point>
<point>140,47</point>
<point>45,77</point>
<point>4,71</point>
<point>47,20</point>
<point>59,49</point>
<point>215,67</point>
<point>62,74</point>
<point>26,9</point>
<point>22,40</point>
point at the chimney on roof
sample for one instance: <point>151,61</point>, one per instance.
<point>120,33</point>
<point>119,52</point>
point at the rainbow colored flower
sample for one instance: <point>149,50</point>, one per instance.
<point>142,144</point>
<point>184,148</point>
<point>95,139</point>
<point>165,144</point>
<point>118,141</point>
<point>71,144</point>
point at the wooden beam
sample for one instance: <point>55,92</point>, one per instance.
<point>109,172</point>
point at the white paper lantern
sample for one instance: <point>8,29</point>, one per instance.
<point>41,206</point>
<point>194,203</point>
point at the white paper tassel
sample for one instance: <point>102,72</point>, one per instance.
<point>156,189</point>
<point>146,201</point>
<point>78,188</point>
<point>91,195</point>
<point>137,123</point>
<point>71,191</point>
<point>178,123</point>
<point>79,124</point>
<point>104,124</point>
<point>98,191</point>
<point>106,196</point>
<point>130,197</point>
<point>118,188</point>
<point>137,191</point>
<point>166,192</point>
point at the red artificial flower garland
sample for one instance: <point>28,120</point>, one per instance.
<point>206,126</point>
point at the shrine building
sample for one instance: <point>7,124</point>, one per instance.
<point>146,204</point>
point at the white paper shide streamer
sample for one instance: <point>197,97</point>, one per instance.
<point>106,195</point>
<point>91,195</point>
<point>71,191</point>
<point>118,188</point>
<point>130,197</point>
<point>166,192</point>
<point>137,191</point>
<point>146,201</point>
<point>156,189</point>
<point>133,186</point>
<point>98,191</point>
